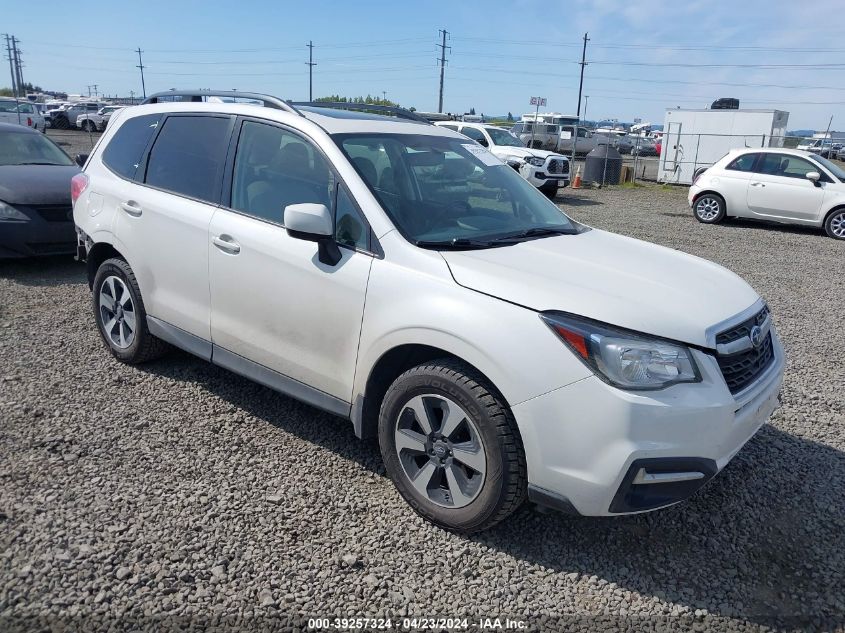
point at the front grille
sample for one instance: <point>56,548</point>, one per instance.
<point>55,212</point>
<point>741,369</point>
<point>557,166</point>
<point>743,329</point>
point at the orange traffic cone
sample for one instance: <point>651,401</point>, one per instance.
<point>576,184</point>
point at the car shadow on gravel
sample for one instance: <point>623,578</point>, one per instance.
<point>763,225</point>
<point>763,540</point>
<point>58,270</point>
<point>576,201</point>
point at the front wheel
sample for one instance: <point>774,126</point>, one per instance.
<point>451,446</point>
<point>835,224</point>
<point>88,126</point>
<point>709,208</point>
<point>120,314</point>
<point>549,189</point>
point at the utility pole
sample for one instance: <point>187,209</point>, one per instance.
<point>19,73</point>
<point>132,97</point>
<point>94,86</point>
<point>311,63</point>
<point>583,63</point>
<point>443,48</point>
<point>141,66</point>
<point>586,102</point>
<point>384,93</point>
<point>11,64</point>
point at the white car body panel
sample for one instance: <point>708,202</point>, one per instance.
<point>276,304</point>
<point>609,278</point>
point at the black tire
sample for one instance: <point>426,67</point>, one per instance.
<point>537,145</point>
<point>502,489</point>
<point>143,346</point>
<point>709,208</point>
<point>834,224</point>
<point>88,126</point>
<point>61,123</point>
<point>549,189</point>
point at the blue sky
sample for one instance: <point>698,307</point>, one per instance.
<point>645,55</point>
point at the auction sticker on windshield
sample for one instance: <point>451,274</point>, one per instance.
<point>481,154</point>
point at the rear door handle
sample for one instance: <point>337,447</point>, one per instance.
<point>131,207</point>
<point>757,184</point>
<point>227,244</point>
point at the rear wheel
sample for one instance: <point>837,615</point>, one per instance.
<point>61,123</point>
<point>835,224</point>
<point>120,315</point>
<point>451,446</point>
<point>709,208</point>
<point>88,126</point>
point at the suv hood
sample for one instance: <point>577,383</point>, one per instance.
<point>610,278</point>
<point>524,152</point>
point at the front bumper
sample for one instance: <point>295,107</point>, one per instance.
<point>36,237</point>
<point>603,451</point>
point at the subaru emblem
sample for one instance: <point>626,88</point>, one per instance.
<point>756,336</point>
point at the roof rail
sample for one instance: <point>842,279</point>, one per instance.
<point>197,96</point>
<point>400,113</point>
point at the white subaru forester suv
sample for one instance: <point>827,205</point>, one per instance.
<point>396,274</point>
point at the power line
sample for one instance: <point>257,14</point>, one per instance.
<point>141,67</point>
<point>583,64</point>
<point>443,48</point>
<point>311,63</point>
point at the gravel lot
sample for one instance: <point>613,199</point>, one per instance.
<point>128,495</point>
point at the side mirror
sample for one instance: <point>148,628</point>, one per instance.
<point>314,223</point>
<point>80,159</point>
<point>813,176</point>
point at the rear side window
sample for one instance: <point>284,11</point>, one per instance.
<point>474,134</point>
<point>188,154</point>
<point>743,163</point>
<point>124,151</point>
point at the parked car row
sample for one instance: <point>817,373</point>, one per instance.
<point>65,115</point>
<point>97,121</point>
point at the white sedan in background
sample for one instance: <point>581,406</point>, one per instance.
<point>779,185</point>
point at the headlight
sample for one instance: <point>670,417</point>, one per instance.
<point>9,213</point>
<point>624,359</point>
<point>535,160</point>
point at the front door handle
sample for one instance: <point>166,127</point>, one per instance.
<point>227,244</point>
<point>131,207</point>
<point>757,184</point>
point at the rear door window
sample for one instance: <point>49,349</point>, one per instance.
<point>188,155</point>
<point>743,163</point>
<point>126,147</point>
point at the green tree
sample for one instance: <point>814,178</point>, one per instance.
<point>510,117</point>
<point>472,110</point>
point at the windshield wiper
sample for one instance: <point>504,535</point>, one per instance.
<point>458,243</point>
<point>534,232</point>
<point>34,162</point>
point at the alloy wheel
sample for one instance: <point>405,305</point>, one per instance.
<point>117,312</point>
<point>837,225</point>
<point>440,450</point>
<point>707,208</point>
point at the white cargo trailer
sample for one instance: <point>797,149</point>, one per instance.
<point>693,139</point>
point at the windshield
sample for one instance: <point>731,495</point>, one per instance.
<point>27,148</point>
<point>503,137</point>
<point>833,168</point>
<point>451,193</point>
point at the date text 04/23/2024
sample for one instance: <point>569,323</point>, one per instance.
<point>416,624</point>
